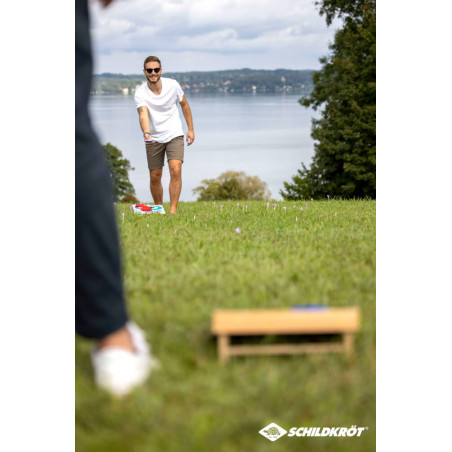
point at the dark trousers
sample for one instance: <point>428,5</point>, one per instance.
<point>99,302</point>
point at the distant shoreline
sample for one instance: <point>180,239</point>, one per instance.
<point>224,71</point>
<point>207,93</point>
<point>228,81</point>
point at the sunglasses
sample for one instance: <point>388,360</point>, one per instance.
<point>156,70</point>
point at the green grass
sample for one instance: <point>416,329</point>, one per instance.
<point>178,269</point>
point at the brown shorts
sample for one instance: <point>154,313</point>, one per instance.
<point>156,152</point>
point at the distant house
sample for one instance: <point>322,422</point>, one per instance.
<point>125,91</point>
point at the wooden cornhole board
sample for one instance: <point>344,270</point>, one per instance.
<point>227,323</point>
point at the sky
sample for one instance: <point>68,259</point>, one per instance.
<point>209,35</point>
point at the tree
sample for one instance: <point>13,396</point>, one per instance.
<point>344,162</point>
<point>119,167</point>
<point>232,185</point>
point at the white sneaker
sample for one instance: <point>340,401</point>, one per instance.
<point>118,370</point>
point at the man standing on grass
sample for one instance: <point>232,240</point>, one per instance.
<point>156,101</point>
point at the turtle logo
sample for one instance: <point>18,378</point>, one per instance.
<point>273,431</point>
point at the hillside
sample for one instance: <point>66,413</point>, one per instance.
<point>232,81</point>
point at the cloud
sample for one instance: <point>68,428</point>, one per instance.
<point>215,27</point>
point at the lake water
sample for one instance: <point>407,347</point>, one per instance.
<point>265,135</point>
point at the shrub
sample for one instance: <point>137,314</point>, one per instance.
<point>128,198</point>
<point>232,185</point>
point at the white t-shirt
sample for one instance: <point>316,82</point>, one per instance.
<point>164,119</point>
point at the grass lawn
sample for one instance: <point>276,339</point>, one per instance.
<point>178,269</point>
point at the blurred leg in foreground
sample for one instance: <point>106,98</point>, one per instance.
<point>120,357</point>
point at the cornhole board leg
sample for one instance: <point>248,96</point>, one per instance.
<point>348,343</point>
<point>224,348</point>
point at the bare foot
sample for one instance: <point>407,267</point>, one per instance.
<point>120,338</point>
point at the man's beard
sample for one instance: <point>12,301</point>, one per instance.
<point>153,81</point>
